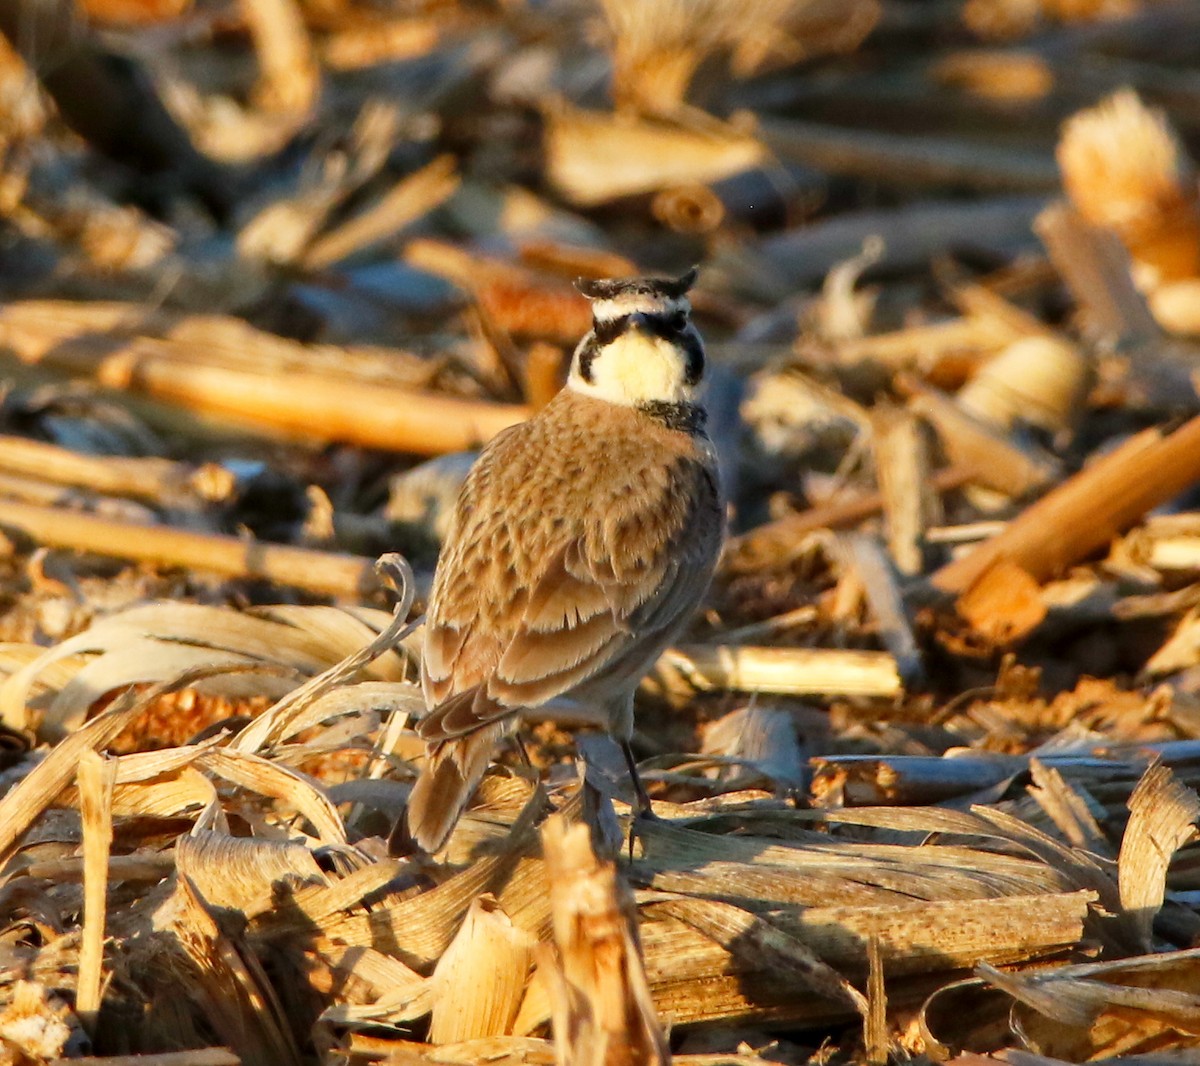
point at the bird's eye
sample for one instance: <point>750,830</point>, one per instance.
<point>678,321</point>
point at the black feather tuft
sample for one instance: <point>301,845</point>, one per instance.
<point>610,288</point>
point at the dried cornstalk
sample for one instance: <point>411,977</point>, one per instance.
<point>1086,511</point>
<point>96,97</point>
<point>864,557</point>
<point>762,737</point>
<point>593,157</point>
<point>866,780</point>
<point>408,200</point>
<point>1095,266</point>
<point>303,405</point>
<point>910,159</point>
<point>997,461</point>
<point>289,76</point>
<point>33,1024</point>
<point>324,573</point>
<point>364,45</point>
<point>659,44</point>
<point>1040,381</point>
<point>227,983</point>
<point>775,543</point>
<point>794,671</point>
<point>159,480</point>
<point>281,719</point>
<point>513,298</point>
<point>1066,808</point>
<point>209,1056</point>
<point>759,944</point>
<point>1125,169</point>
<point>96,779</point>
<point>244,874</point>
<point>694,979</point>
<point>1180,650</point>
<point>603,1015</point>
<point>911,234</point>
<point>220,365</point>
<point>1176,307</point>
<point>1105,1008</point>
<point>903,465</point>
<point>922,346</point>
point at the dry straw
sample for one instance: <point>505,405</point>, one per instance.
<point>660,44</point>
<point>1124,168</point>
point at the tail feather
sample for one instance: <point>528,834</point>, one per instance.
<point>452,771</point>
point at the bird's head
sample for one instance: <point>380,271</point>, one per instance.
<point>642,348</point>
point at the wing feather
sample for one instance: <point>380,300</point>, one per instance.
<point>604,589</point>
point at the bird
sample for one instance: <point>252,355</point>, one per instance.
<point>581,543</point>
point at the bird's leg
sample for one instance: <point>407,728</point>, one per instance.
<point>644,811</point>
<point>639,790</point>
<point>519,741</point>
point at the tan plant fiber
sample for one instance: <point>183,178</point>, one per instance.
<point>658,45</point>
<point>1124,168</point>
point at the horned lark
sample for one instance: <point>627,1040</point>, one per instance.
<point>581,542</point>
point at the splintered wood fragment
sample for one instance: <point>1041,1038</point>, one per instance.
<point>1086,511</point>
<point>791,671</point>
<point>322,573</point>
<point>478,982</point>
<point>903,465</point>
<point>602,1011</point>
<point>774,543</point>
<point>97,777</point>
